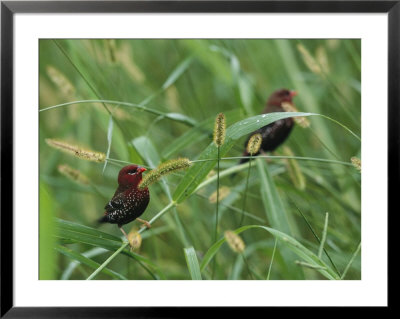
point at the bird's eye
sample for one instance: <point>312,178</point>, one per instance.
<point>132,172</point>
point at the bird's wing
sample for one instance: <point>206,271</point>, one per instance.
<point>115,203</point>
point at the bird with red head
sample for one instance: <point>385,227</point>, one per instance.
<point>129,202</point>
<point>276,133</point>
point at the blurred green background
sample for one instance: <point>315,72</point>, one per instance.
<point>192,81</point>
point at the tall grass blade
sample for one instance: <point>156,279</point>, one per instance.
<point>288,241</point>
<point>323,239</point>
<point>88,262</point>
<point>272,259</point>
<point>275,211</point>
<point>109,140</point>
<point>73,264</point>
<point>179,70</point>
<point>47,260</point>
<point>90,236</point>
<point>192,263</point>
<point>351,261</point>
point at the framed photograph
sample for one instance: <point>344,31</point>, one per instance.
<point>158,155</point>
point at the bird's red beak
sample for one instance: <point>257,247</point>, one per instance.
<point>293,93</point>
<point>141,169</point>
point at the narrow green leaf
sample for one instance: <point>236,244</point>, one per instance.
<point>246,93</point>
<point>307,265</point>
<point>179,70</point>
<point>88,262</point>
<point>173,116</point>
<point>181,118</point>
<point>109,140</point>
<point>323,238</point>
<point>87,235</point>
<point>147,150</point>
<point>193,263</point>
<point>47,259</point>
<point>272,259</point>
<point>67,225</point>
<point>93,252</point>
<point>288,241</point>
<point>195,175</point>
<point>274,209</point>
<point>351,261</point>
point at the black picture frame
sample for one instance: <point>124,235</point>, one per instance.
<point>9,8</point>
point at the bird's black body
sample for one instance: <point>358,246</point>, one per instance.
<point>129,202</point>
<point>126,206</point>
<point>276,133</point>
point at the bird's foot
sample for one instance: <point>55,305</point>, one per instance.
<point>126,236</point>
<point>144,222</point>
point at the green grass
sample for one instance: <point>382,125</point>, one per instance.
<point>148,101</point>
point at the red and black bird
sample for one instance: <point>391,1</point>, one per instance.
<point>128,202</point>
<point>274,134</point>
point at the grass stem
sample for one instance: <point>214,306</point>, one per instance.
<point>351,261</point>
<point>323,239</point>
<point>245,194</point>
<point>278,157</point>
<point>216,214</point>
<point>317,238</point>
<point>247,266</point>
<point>272,259</point>
<point>125,244</point>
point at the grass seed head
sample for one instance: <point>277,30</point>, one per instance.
<point>295,173</point>
<point>224,191</point>
<point>322,59</point>
<point>253,146</point>
<point>309,60</point>
<point>73,174</point>
<point>60,80</point>
<point>300,120</point>
<point>77,151</point>
<point>164,169</point>
<point>234,241</point>
<point>219,130</point>
<point>135,240</point>
<point>356,163</point>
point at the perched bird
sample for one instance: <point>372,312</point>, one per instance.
<point>128,202</point>
<point>275,133</point>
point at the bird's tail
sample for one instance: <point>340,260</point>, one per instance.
<point>102,219</point>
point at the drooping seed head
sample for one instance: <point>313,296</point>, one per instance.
<point>59,79</point>
<point>309,60</point>
<point>300,120</point>
<point>234,241</point>
<point>73,174</point>
<point>322,59</point>
<point>219,130</point>
<point>135,240</point>
<point>253,146</point>
<point>224,191</point>
<point>77,151</point>
<point>164,169</point>
<point>295,173</point>
<point>356,163</point>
